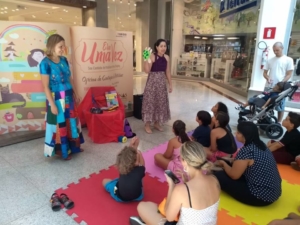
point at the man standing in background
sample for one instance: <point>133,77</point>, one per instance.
<point>280,69</point>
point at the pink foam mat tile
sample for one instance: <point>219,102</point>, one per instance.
<point>151,168</point>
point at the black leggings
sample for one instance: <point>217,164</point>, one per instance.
<point>238,189</point>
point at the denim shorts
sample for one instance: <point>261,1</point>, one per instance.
<point>281,106</point>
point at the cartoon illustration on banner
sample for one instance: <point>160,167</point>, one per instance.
<point>22,98</point>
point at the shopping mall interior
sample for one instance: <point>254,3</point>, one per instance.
<point>216,52</point>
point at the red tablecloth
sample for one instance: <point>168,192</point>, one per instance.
<point>106,127</point>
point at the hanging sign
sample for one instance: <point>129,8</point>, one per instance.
<point>229,7</point>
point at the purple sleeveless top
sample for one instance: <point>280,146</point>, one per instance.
<point>160,64</point>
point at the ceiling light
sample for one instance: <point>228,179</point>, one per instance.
<point>74,22</point>
<point>128,2</point>
<point>108,7</point>
<point>1,12</point>
<point>84,7</point>
<point>218,35</point>
<point>118,18</point>
<point>47,13</point>
<point>122,26</point>
<point>25,8</point>
<point>13,10</point>
<point>33,16</point>
<point>18,9</point>
<point>196,37</point>
<point>134,4</point>
<point>5,11</point>
<point>129,15</point>
<point>2,9</point>
<point>60,18</point>
<point>204,38</point>
<point>121,1</point>
<point>41,0</point>
<point>218,38</point>
<point>5,7</point>
<point>233,38</point>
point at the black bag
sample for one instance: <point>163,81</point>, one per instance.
<point>137,106</point>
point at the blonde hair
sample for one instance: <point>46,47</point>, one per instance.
<point>126,160</point>
<point>194,155</point>
<point>52,41</point>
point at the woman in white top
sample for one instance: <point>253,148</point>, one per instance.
<point>196,200</point>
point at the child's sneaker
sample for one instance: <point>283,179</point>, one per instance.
<point>134,220</point>
<point>296,165</point>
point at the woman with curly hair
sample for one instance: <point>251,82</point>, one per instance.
<point>131,166</point>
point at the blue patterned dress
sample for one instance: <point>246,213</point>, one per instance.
<point>63,131</point>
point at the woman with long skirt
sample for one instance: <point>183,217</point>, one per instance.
<point>63,130</point>
<point>155,108</point>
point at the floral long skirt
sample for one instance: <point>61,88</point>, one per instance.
<point>155,107</point>
<point>63,131</point>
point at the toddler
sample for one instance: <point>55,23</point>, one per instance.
<point>131,166</point>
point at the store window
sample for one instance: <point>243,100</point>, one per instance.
<point>294,52</point>
<point>219,41</point>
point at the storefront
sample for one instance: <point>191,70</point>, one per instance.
<point>217,40</point>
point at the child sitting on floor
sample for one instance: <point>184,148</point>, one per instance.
<point>286,149</point>
<point>202,132</point>
<point>170,160</point>
<point>267,96</point>
<point>131,166</point>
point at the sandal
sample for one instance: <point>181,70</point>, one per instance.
<point>68,203</point>
<point>55,202</point>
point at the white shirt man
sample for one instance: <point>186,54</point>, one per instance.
<point>280,69</point>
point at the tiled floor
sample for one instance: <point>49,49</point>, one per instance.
<point>27,179</point>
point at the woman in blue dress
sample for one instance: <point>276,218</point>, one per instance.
<point>63,129</point>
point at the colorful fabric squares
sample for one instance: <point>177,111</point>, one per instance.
<point>50,130</point>
<point>62,103</point>
<point>63,131</point>
<point>73,127</point>
<point>51,118</point>
<point>48,151</point>
<point>62,94</point>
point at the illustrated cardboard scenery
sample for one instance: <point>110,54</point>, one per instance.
<point>98,62</point>
<point>221,17</point>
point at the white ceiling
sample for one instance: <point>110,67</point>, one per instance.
<point>121,16</point>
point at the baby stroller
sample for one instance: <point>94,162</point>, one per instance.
<point>265,118</point>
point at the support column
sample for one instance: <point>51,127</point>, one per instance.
<point>89,17</point>
<point>102,13</point>
<point>176,33</point>
<point>271,15</point>
<point>96,17</point>
<point>146,28</point>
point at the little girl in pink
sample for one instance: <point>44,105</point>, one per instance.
<point>170,160</point>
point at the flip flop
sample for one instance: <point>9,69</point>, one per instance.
<point>55,202</point>
<point>68,203</point>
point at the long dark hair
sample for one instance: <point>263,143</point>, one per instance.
<point>222,107</point>
<point>223,119</point>
<point>179,130</point>
<point>157,43</point>
<point>250,132</point>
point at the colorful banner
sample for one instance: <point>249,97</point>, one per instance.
<point>221,17</point>
<point>102,57</point>
<point>22,98</point>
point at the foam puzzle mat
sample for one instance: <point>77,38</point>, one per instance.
<point>94,206</point>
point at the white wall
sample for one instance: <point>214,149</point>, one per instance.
<point>277,15</point>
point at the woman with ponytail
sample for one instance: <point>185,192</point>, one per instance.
<point>171,158</point>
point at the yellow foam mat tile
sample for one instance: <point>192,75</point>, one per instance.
<point>288,202</point>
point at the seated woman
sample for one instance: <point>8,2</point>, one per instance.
<point>222,142</point>
<point>171,158</point>
<point>253,177</point>
<point>196,200</point>
<point>219,107</point>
